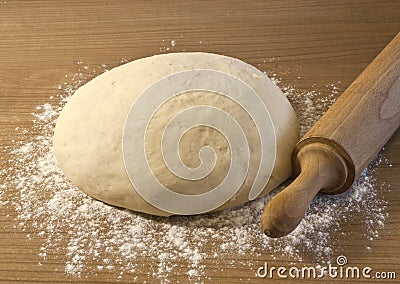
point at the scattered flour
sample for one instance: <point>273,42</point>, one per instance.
<point>95,237</point>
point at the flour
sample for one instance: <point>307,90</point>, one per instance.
<point>95,237</point>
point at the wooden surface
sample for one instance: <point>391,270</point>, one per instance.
<point>314,43</point>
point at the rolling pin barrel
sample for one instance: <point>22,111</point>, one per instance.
<point>342,143</point>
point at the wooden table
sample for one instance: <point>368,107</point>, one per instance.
<point>314,43</point>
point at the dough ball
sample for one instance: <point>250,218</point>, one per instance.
<point>177,134</point>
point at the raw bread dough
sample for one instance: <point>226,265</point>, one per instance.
<point>178,133</point>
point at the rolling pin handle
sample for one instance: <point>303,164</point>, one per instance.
<point>321,168</point>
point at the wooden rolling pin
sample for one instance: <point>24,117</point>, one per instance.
<point>342,143</point>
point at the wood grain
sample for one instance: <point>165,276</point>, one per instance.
<point>314,43</point>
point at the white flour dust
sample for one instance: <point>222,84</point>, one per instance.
<point>95,237</point>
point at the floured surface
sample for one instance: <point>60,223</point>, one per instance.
<point>96,237</point>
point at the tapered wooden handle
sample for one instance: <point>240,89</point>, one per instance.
<point>342,143</point>
<point>321,167</point>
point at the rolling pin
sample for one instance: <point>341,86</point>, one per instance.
<point>342,143</point>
